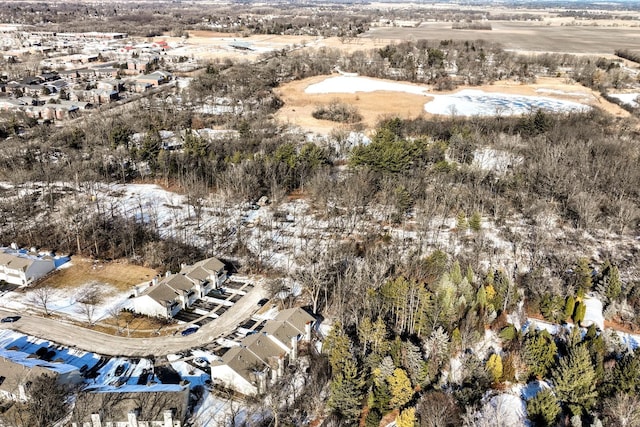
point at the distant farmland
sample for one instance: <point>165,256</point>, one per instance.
<point>525,36</point>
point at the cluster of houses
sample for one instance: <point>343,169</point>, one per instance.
<point>129,405</point>
<point>260,359</point>
<point>249,366</point>
<point>108,67</point>
<point>65,94</point>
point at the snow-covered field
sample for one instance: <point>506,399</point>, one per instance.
<point>627,98</point>
<point>354,84</point>
<point>471,102</point>
<point>467,102</point>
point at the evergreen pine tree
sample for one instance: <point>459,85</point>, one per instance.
<point>575,381</point>
<point>579,313</point>
<point>539,353</point>
<point>470,274</point>
<point>583,279</point>
<point>614,286</point>
<point>475,222</point>
<point>461,222</point>
<point>345,396</point>
<point>543,409</point>
<point>337,346</point>
<point>456,273</point>
<point>569,306</point>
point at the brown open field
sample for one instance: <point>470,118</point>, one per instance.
<point>211,45</point>
<point>119,274</point>
<point>546,36</point>
<point>299,105</point>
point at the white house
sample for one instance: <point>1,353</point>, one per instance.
<point>21,269</point>
<point>246,368</point>
<point>289,327</point>
<point>175,292</point>
<point>260,359</point>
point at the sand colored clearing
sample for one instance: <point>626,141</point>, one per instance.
<point>121,275</point>
<point>211,45</point>
<point>374,105</point>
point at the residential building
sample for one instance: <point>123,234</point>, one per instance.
<point>18,369</point>
<point>157,405</point>
<point>174,292</point>
<point>261,358</point>
<point>154,79</point>
<point>22,269</point>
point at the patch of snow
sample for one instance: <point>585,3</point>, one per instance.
<point>354,84</point>
<point>627,98</point>
<point>506,410</point>
<point>530,390</point>
<point>490,344</point>
<point>494,160</point>
<point>471,102</point>
<point>593,314</point>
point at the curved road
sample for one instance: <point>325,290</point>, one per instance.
<point>98,342</point>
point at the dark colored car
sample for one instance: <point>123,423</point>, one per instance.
<point>189,331</point>
<point>263,301</point>
<point>10,319</point>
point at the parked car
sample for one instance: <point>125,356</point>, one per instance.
<point>263,301</point>
<point>10,319</point>
<point>201,362</point>
<point>189,331</point>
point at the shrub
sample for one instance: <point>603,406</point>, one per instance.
<point>337,112</point>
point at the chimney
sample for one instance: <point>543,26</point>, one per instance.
<point>168,418</point>
<point>307,331</point>
<point>280,366</point>
<point>95,420</point>
<point>294,349</point>
<point>133,419</point>
<point>262,381</point>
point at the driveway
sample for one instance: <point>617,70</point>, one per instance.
<point>97,342</point>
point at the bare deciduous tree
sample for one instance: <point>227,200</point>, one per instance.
<point>88,300</point>
<point>41,297</point>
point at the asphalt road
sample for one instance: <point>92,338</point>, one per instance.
<point>89,340</point>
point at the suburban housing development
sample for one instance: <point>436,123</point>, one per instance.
<point>168,295</point>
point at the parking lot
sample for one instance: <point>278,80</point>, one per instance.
<point>215,303</point>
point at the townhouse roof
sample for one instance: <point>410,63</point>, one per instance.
<point>15,262</point>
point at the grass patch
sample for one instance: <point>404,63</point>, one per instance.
<point>119,274</point>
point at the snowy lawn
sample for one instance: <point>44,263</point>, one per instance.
<point>64,301</point>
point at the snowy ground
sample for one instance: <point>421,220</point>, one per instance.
<point>354,84</point>
<point>627,98</point>
<point>64,302</point>
<point>471,102</point>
